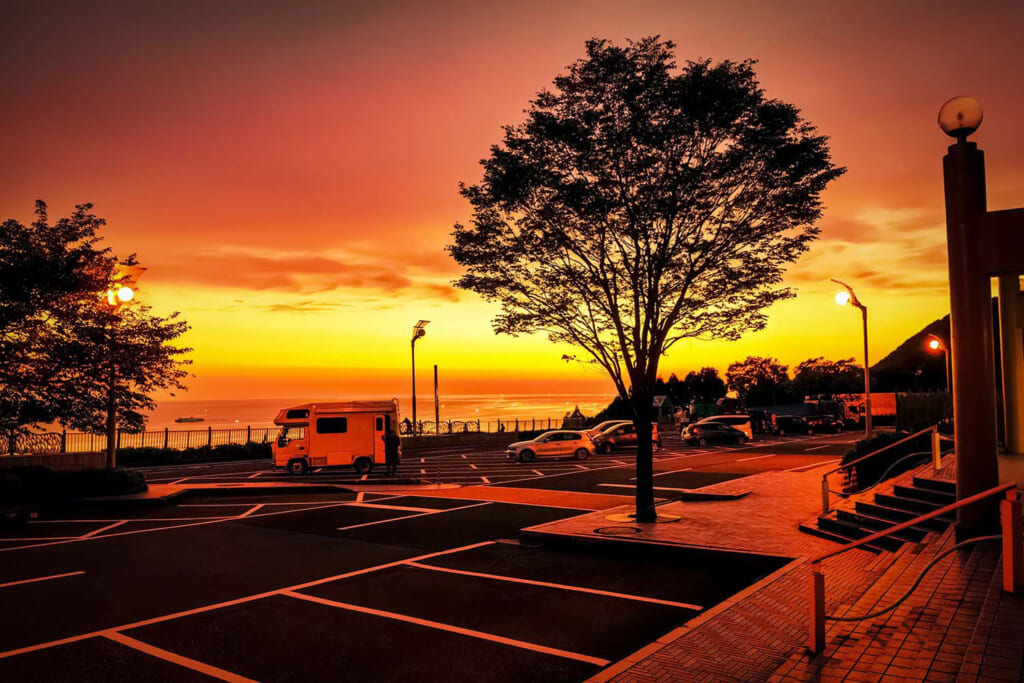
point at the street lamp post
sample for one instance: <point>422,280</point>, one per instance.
<point>121,291</point>
<point>936,343</point>
<point>848,297</point>
<point>417,332</point>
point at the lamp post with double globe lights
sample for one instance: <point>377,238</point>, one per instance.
<point>417,332</point>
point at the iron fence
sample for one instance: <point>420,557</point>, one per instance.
<point>181,439</point>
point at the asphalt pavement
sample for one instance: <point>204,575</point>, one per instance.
<point>280,586</point>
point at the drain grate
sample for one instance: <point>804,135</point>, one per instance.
<point>617,530</point>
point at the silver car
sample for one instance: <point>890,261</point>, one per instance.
<point>557,443</point>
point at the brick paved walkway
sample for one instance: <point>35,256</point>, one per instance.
<point>957,625</point>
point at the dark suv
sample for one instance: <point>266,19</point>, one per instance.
<point>703,433</point>
<point>624,435</point>
<point>824,423</point>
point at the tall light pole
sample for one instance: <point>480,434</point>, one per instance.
<point>848,297</point>
<point>417,332</point>
<point>937,343</point>
<point>122,290</point>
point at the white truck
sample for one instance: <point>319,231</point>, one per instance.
<point>337,434</point>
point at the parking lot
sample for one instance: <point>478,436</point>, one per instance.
<point>353,584</point>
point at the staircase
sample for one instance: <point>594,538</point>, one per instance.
<point>958,625</point>
<point>885,510</point>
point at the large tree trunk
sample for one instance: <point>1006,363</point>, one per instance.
<point>643,413</point>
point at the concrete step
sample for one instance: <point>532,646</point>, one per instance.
<point>943,485</point>
<point>815,530</point>
<point>856,532</point>
<point>928,495</point>
<point>897,515</point>
<point>914,505</point>
<point>911,535</point>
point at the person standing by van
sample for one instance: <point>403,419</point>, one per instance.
<point>391,444</point>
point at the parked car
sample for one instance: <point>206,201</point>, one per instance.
<point>792,424</point>
<point>704,433</point>
<point>740,422</point>
<point>622,435</point>
<point>825,423</point>
<point>607,424</point>
<point>556,443</point>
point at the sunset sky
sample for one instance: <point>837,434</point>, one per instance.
<point>288,171</point>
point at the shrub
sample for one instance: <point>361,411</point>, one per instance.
<point>21,485</point>
<point>141,457</point>
<point>869,471</point>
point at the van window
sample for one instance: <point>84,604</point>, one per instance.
<point>291,432</point>
<point>296,414</point>
<point>331,425</point>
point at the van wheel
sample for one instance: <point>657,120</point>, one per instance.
<point>741,440</point>
<point>363,465</point>
<point>526,456</point>
<point>702,442</point>
<point>606,448</point>
<point>582,453</point>
<point>655,446</point>
<point>297,466</point>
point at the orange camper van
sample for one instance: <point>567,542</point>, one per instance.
<point>338,434</point>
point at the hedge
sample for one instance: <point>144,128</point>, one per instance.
<point>869,471</point>
<point>141,457</point>
<point>28,485</point>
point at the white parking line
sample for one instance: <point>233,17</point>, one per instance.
<point>522,644</point>
<point>102,529</point>
<point>813,465</point>
<point>818,448</point>
<point>759,457</point>
<point>236,601</point>
<point>472,466</point>
<point>216,520</point>
<point>485,480</point>
<point>538,473</point>
<point>39,578</point>
<point>633,486</point>
<point>561,586</point>
<point>180,660</point>
<point>255,475</point>
<point>254,508</point>
<point>404,517</point>
<point>391,507</point>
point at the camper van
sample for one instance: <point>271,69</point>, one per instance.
<point>342,434</point>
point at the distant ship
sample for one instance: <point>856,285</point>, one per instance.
<point>190,419</point>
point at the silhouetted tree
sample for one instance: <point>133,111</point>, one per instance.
<point>58,336</point>
<point>822,376</point>
<point>638,205</point>
<point>704,385</point>
<point>759,381</point>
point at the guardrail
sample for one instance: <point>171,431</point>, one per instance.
<point>1013,557</point>
<point>53,443</point>
<point>936,451</point>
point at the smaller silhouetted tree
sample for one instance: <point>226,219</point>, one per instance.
<point>705,385</point>
<point>822,376</point>
<point>759,381</point>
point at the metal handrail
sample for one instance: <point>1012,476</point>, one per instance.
<point>1013,563</point>
<point>917,520</point>
<point>826,491</point>
<point>844,466</point>
<point>846,494</point>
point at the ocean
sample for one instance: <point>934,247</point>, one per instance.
<point>226,413</point>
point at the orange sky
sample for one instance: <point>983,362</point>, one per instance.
<point>288,171</point>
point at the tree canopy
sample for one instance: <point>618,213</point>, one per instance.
<point>759,381</point>
<point>640,204</point>
<point>58,336</point>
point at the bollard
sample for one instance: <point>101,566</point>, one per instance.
<point>1013,549</point>
<point>824,495</point>
<point>816,634</point>
<point>936,449</point>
